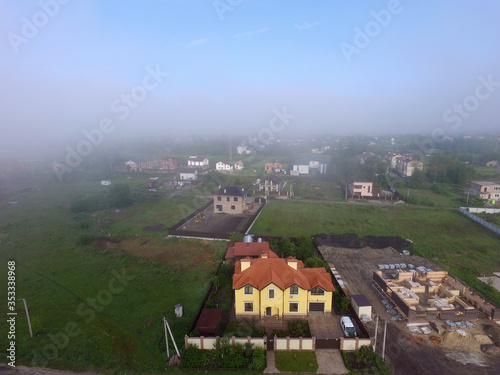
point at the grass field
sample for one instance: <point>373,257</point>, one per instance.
<point>444,236</point>
<point>100,306</point>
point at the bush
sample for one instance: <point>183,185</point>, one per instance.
<point>223,356</point>
<point>259,359</point>
<point>84,239</point>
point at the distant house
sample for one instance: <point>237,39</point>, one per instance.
<point>230,200</point>
<point>243,150</point>
<point>105,182</point>
<point>273,167</point>
<point>131,166</point>
<point>223,166</point>
<point>485,189</point>
<point>270,184</point>
<point>492,163</point>
<point>158,164</point>
<point>198,162</point>
<point>365,156</point>
<point>272,286</point>
<point>406,166</point>
<point>239,250</point>
<point>188,174</point>
<point>239,165</point>
<point>391,157</point>
<point>314,164</point>
<point>360,189</point>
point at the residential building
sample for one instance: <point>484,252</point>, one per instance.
<point>239,165</point>
<point>406,166</point>
<point>239,250</point>
<point>273,286</point>
<point>360,189</point>
<point>392,158</point>
<point>230,200</point>
<point>485,189</point>
<point>223,166</point>
<point>314,164</point>
<point>198,162</point>
<point>243,150</point>
<point>270,184</point>
<point>273,167</point>
<point>131,166</point>
<point>365,156</point>
<point>492,163</point>
<point>188,174</point>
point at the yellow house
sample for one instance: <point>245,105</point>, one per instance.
<point>270,285</point>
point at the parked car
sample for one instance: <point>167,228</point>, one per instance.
<point>347,327</point>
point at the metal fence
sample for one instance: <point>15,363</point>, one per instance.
<point>477,219</point>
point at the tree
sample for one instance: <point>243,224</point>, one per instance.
<point>119,195</point>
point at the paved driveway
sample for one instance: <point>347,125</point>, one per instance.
<point>325,326</point>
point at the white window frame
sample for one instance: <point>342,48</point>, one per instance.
<point>294,286</point>
<point>245,306</point>
<point>316,294</point>
<point>269,293</point>
<point>250,288</point>
<point>290,307</point>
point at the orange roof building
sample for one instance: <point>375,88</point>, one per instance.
<point>273,286</point>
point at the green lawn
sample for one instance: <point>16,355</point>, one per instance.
<point>94,307</point>
<point>295,361</point>
<point>444,236</point>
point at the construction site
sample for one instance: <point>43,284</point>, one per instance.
<point>435,323</point>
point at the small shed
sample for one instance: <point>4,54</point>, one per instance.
<point>208,322</point>
<point>361,305</point>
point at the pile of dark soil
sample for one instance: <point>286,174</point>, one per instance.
<point>353,241</point>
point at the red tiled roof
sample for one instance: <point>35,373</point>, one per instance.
<point>249,249</point>
<point>264,271</point>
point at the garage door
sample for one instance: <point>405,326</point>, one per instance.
<point>316,307</point>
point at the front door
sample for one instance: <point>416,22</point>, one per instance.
<point>269,311</point>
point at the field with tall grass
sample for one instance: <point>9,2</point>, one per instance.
<point>98,304</point>
<point>446,237</point>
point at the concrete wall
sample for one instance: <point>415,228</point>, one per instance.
<point>482,210</point>
<point>288,343</point>
<point>207,343</point>
<point>477,219</point>
<point>353,344</point>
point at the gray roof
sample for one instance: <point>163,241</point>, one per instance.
<point>231,191</point>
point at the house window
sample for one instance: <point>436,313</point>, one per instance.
<point>249,306</point>
<point>233,207</point>
<point>271,293</point>
<point>219,199</point>
<point>236,199</point>
<point>228,199</point>
<point>248,289</point>
<point>294,289</point>
<point>318,291</point>
<point>293,307</point>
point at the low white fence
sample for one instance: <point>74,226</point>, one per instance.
<point>208,343</point>
<point>354,344</point>
<point>482,210</point>
<point>288,343</point>
<point>468,212</point>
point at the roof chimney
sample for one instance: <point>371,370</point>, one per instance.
<point>292,262</point>
<point>245,263</point>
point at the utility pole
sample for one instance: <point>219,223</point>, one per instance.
<point>383,344</point>
<point>166,337</point>
<point>376,332</point>
<point>27,315</point>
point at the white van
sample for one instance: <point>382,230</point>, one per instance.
<point>347,327</point>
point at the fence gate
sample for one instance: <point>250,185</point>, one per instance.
<point>270,343</point>
<point>327,343</point>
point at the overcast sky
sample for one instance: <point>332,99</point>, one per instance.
<point>236,67</point>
